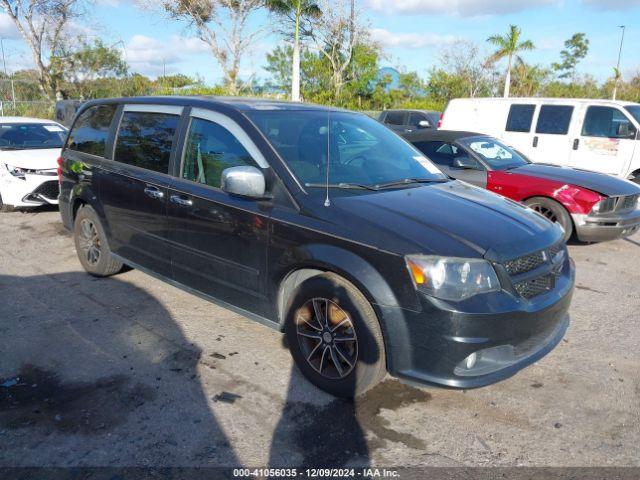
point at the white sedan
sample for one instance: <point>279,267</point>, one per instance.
<point>29,149</point>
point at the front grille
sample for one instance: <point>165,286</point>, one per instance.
<point>627,203</point>
<point>537,286</point>
<point>525,264</point>
<point>529,287</point>
<point>48,190</point>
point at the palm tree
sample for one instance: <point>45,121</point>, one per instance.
<point>508,46</point>
<point>294,12</point>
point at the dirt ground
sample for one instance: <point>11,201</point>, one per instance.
<point>129,371</point>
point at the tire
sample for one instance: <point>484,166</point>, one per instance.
<point>554,212</point>
<point>6,208</point>
<point>352,320</point>
<point>92,246</point>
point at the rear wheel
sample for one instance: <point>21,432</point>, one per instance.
<point>334,336</point>
<point>553,211</point>
<point>91,244</point>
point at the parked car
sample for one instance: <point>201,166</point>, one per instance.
<point>405,121</point>
<point>595,205</point>
<point>29,148</point>
<point>598,135</point>
<point>322,223</point>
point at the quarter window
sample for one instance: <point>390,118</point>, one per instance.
<point>554,119</point>
<point>91,130</point>
<point>520,118</point>
<point>606,122</point>
<point>210,149</point>
<point>145,140</point>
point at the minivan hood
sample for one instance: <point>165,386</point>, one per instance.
<point>597,182</point>
<point>454,216</point>
<point>34,159</point>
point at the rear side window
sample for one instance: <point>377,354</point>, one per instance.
<point>554,119</point>
<point>210,149</point>
<point>520,118</point>
<point>91,130</point>
<point>394,118</point>
<point>145,140</point>
<point>416,118</point>
<point>441,153</point>
<point>606,122</point>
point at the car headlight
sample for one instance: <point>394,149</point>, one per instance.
<point>605,205</point>
<point>15,171</point>
<point>450,278</point>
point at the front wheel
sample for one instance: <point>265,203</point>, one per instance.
<point>335,337</point>
<point>553,211</point>
<point>91,244</point>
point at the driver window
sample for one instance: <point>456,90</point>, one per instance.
<point>606,122</point>
<point>415,119</point>
<point>210,149</point>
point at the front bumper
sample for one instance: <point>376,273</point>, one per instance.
<point>437,345</point>
<point>34,190</point>
<point>599,228</point>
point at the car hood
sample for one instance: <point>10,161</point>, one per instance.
<point>448,218</point>
<point>34,159</point>
<point>597,182</point>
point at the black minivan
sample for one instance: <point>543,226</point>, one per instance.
<point>322,223</point>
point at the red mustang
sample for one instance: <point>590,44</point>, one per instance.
<point>596,206</point>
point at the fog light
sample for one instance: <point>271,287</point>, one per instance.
<point>471,361</point>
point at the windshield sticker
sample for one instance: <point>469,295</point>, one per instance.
<point>53,128</point>
<point>603,146</point>
<point>426,164</point>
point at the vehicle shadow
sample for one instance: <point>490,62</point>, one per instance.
<point>97,372</point>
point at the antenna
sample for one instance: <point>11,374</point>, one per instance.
<point>327,202</point>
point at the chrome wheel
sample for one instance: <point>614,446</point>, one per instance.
<point>327,338</point>
<point>89,241</point>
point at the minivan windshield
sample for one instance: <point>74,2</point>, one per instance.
<point>358,151</point>
<point>495,153</point>
<point>634,110</point>
<point>23,136</point>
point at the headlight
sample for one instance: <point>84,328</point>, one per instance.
<point>16,171</point>
<point>605,205</point>
<point>452,278</point>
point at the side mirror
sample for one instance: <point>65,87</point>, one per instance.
<point>424,124</point>
<point>243,181</point>
<point>465,162</point>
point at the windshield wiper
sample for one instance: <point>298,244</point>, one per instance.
<point>408,181</point>
<point>343,185</point>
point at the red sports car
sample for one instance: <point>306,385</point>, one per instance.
<point>595,206</point>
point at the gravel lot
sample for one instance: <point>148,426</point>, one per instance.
<point>130,371</point>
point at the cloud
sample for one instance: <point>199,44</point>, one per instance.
<point>8,29</point>
<point>150,56</point>
<point>463,8</point>
<point>410,40</point>
<point>612,4</point>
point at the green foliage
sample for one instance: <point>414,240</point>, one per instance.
<point>576,48</point>
<point>509,45</point>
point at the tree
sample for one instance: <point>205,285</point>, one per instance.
<point>508,46</point>
<point>335,35</point>
<point>223,25</point>
<point>464,60</point>
<point>528,80</point>
<point>576,48</point>
<point>295,13</point>
<point>80,65</point>
<point>42,24</point>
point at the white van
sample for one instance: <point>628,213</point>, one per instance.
<point>598,135</point>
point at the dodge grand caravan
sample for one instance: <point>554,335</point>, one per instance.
<point>321,223</point>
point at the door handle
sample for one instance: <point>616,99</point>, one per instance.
<point>576,143</point>
<point>535,142</point>
<point>183,202</point>
<point>153,192</point>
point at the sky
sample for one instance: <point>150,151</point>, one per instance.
<point>412,32</point>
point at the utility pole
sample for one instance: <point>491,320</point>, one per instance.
<point>618,74</point>
<point>4,63</point>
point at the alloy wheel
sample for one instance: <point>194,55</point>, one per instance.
<point>89,241</point>
<point>327,338</point>
<point>545,212</point>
